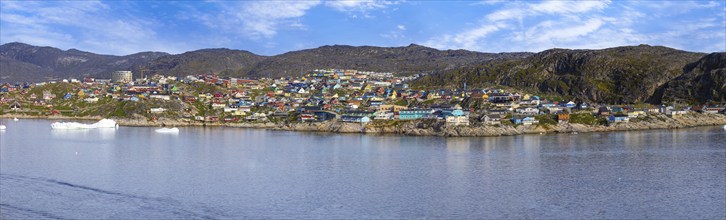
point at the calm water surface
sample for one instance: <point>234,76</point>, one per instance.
<point>244,173</point>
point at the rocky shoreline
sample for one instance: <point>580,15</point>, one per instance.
<point>430,128</point>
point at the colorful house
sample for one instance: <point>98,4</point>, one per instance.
<point>410,114</point>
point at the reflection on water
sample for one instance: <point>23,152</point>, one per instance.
<point>244,173</point>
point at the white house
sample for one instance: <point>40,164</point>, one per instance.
<point>157,110</point>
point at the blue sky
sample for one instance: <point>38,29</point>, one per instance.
<point>274,27</point>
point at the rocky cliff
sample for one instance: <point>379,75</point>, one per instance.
<point>702,81</point>
<point>613,75</point>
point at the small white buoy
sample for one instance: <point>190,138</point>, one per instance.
<point>724,127</point>
<point>2,127</point>
<point>15,119</point>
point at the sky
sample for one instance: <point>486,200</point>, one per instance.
<point>275,27</point>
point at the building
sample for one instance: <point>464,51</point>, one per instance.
<point>392,108</point>
<point>411,114</point>
<point>457,120</point>
<point>121,76</point>
<point>491,119</point>
<point>563,117</point>
<point>359,119</point>
<point>618,118</point>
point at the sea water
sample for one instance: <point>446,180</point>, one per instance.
<point>134,172</point>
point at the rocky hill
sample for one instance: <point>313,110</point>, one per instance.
<point>403,60</point>
<point>628,74</point>
<point>702,81</point>
<point>22,62</point>
<point>615,75</point>
<point>31,63</point>
<point>220,61</point>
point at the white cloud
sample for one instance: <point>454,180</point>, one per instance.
<point>489,2</point>
<point>536,26</point>
<point>357,5</point>
<point>86,25</point>
<point>519,11</point>
<point>254,19</point>
<point>468,39</point>
<point>395,34</point>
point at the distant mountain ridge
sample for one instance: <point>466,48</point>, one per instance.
<point>23,62</point>
<point>628,74</point>
<point>32,63</point>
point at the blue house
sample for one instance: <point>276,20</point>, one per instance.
<point>529,121</point>
<point>525,121</point>
<point>547,104</point>
<point>516,120</point>
<point>569,104</point>
<point>410,114</point>
<point>67,96</point>
<point>451,112</point>
<point>618,118</point>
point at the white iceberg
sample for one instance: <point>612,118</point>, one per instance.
<point>2,127</point>
<point>167,130</point>
<point>103,123</point>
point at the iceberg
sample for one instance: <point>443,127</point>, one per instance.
<point>2,127</point>
<point>167,130</point>
<point>103,123</point>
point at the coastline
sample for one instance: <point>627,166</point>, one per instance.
<point>427,128</point>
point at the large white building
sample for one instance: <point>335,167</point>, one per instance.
<point>121,76</point>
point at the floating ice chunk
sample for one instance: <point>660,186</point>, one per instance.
<point>167,130</point>
<point>103,123</point>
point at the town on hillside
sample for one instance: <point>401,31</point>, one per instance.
<point>319,95</point>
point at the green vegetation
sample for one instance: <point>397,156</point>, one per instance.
<point>402,102</point>
<point>546,119</point>
<point>584,118</point>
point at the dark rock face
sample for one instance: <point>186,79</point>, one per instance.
<point>701,82</point>
<point>613,75</point>
<point>224,62</point>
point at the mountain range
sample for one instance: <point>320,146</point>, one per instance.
<point>629,74</point>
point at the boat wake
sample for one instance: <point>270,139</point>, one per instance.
<point>33,198</point>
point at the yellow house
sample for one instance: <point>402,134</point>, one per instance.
<point>393,95</point>
<point>485,96</point>
<point>81,94</point>
<point>368,88</point>
<point>392,108</point>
